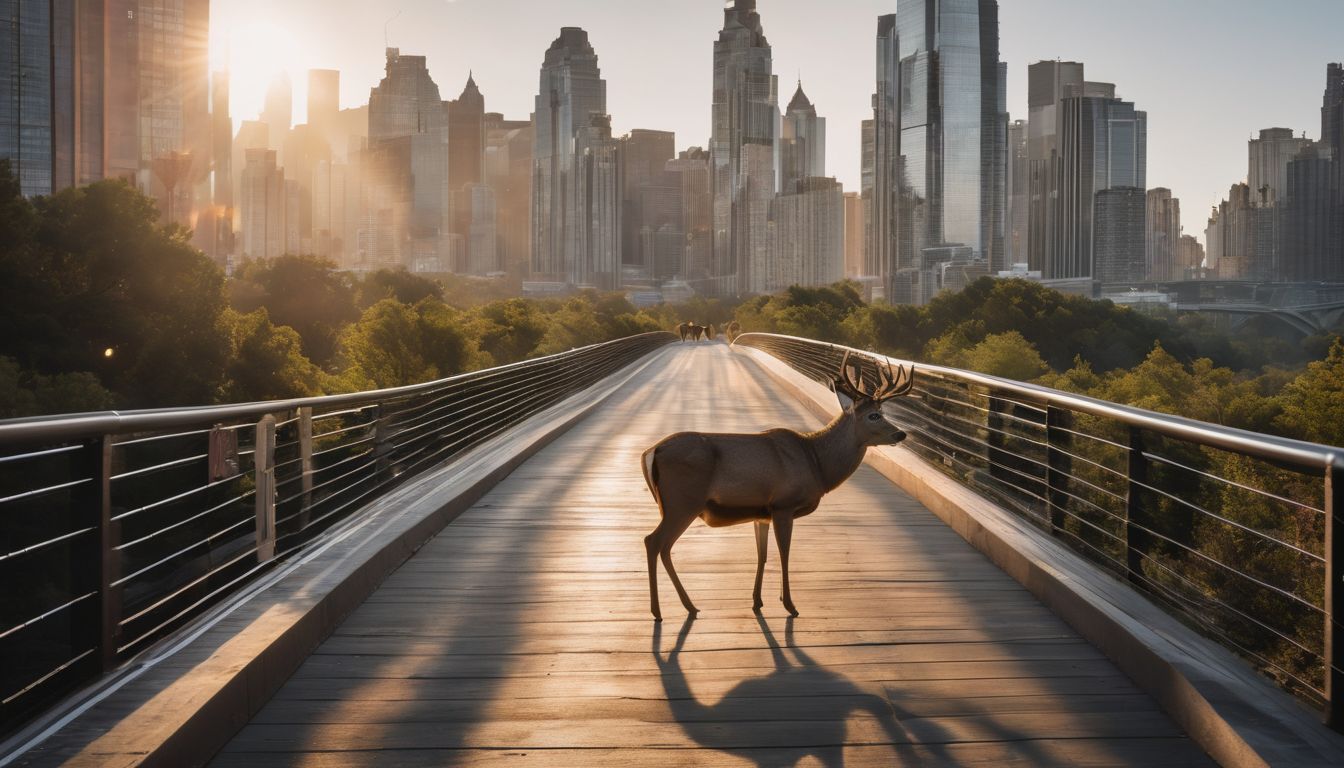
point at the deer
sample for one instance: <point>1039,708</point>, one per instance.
<point>685,329</point>
<point>771,477</point>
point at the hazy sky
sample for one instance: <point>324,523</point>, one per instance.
<point>1209,72</point>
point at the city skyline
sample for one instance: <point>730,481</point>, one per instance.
<point>1197,136</point>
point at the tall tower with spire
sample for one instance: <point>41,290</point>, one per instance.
<point>571,93</point>
<point>802,143</point>
<point>742,146</point>
<point>466,136</point>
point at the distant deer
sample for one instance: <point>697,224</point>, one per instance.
<point>684,330</point>
<point>773,476</point>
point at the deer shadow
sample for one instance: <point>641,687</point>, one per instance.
<point>800,709</point>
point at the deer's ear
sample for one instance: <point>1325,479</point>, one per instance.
<point>846,402</point>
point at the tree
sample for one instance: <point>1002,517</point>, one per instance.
<point>1313,404</point>
<point>394,344</point>
<point>1007,355</point>
<point>101,287</point>
<point>306,293</point>
<point>267,362</point>
<point>396,284</point>
<point>24,393</point>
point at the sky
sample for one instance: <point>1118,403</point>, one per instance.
<point>1210,73</point>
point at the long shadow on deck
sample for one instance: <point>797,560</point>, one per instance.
<point>791,693</point>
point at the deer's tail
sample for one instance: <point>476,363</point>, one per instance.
<point>649,460</point>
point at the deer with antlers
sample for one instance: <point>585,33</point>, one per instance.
<point>770,477</point>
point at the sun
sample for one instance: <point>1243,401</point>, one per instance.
<point>254,52</point>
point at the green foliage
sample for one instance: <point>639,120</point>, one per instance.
<point>396,284</point>
<point>1313,404</point>
<point>1007,355</point>
<point>91,270</point>
<point>267,361</point>
<point>395,344</point>
<point>24,393</point>
<point>306,293</point>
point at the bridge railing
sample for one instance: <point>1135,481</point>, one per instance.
<point>1236,532</point>
<point>117,528</point>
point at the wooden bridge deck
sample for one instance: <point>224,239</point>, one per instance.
<point>521,634</point>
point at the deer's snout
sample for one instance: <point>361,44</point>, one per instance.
<point>897,437</point>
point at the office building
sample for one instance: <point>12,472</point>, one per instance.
<point>571,93</point>
<point>745,114</point>
<point>1162,228</point>
<point>1119,233</point>
<point>953,132</point>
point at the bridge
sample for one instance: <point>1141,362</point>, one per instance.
<point>453,574</point>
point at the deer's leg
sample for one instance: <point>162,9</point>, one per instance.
<point>674,532</point>
<point>762,533</point>
<point>783,534</point>
<point>651,546</point>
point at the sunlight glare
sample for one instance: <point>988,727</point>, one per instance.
<point>259,50</point>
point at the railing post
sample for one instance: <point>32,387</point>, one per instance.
<point>1135,541</point>
<point>381,435</point>
<point>1059,463</point>
<point>264,471</point>
<point>306,463</point>
<point>102,566</point>
<point>1334,593</point>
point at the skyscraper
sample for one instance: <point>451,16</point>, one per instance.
<point>466,154</point>
<point>808,232</point>
<point>802,143</point>
<point>596,238</point>
<point>278,112</point>
<point>508,172</point>
<point>1102,145</point>
<point>1119,241</point>
<point>1019,195</point>
<point>693,169</point>
<point>882,150</point>
<point>408,168</point>
<point>742,145</point>
<point>26,138</point>
<point>324,101</point>
<point>1162,229</point>
<point>856,235</point>
<point>1267,166</point>
<point>466,136</point>
<point>262,205</point>
<point>1332,135</point>
<point>1048,82</point>
<point>1309,218</point>
<point>571,92</point>
<point>651,200</point>
<point>953,138</point>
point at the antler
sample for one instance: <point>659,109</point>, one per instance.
<point>846,382</point>
<point>894,385</point>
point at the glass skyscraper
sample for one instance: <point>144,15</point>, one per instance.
<point>742,147</point>
<point>953,132</point>
<point>571,93</point>
<point>26,93</point>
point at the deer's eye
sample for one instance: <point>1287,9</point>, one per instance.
<point>874,417</point>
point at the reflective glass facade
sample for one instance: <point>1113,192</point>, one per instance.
<point>953,132</point>
<point>745,115</point>
<point>25,92</point>
<point>571,92</point>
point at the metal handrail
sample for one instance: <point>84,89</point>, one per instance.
<point>1139,533</point>
<point>119,527</point>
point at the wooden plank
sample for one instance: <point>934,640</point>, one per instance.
<point>524,627</point>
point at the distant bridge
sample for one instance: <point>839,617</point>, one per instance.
<point>452,574</point>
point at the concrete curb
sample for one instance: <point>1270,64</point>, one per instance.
<point>1236,715</point>
<point>180,709</point>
